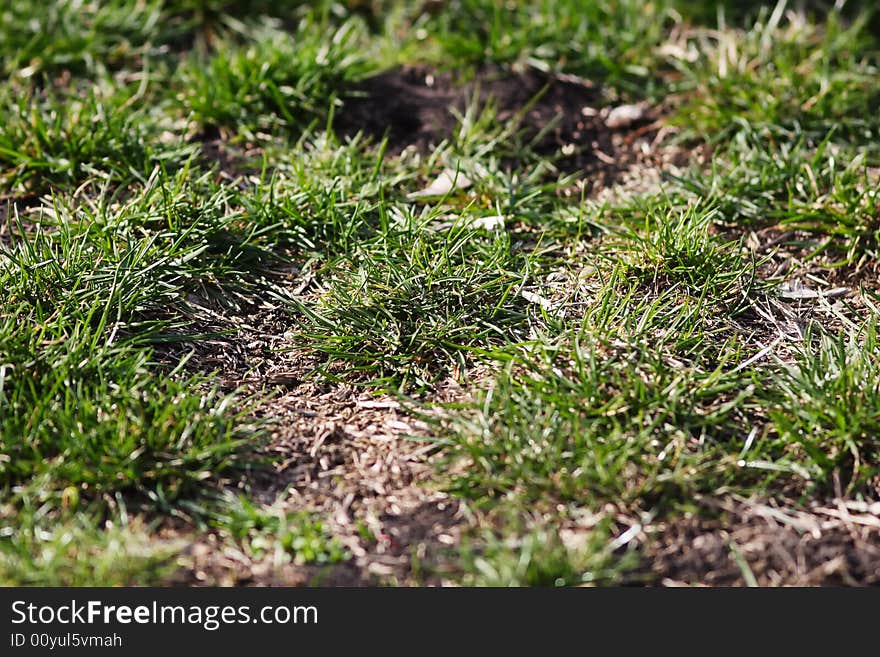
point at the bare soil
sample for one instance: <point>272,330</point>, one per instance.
<point>832,543</point>
<point>359,461</point>
<point>557,116</point>
<point>362,465</point>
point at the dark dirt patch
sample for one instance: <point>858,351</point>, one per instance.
<point>414,105</point>
<point>835,543</point>
<point>232,162</point>
<point>555,116</point>
<point>24,208</point>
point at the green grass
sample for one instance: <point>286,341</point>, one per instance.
<point>536,556</point>
<point>411,306</point>
<point>828,409</point>
<point>64,137</point>
<point>281,79</point>
<point>78,551</point>
<point>784,73</point>
<point>170,169</point>
<point>630,426</point>
<point>777,176</point>
<point>276,534</point>
<point>608,40</point>
<point>76,36</point>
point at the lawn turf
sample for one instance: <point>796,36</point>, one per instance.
<point>388,293</point>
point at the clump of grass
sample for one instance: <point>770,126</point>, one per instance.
<point>324,198</point>
<point>785,70</point>
<point>410,306</point>
<point>675,250</point>
<point>829,410</point>
<point>276,534</point>
<point>54,138</point>
<point>80,550</point>
<point>83,406</point>
<point>101,428</point>
<point>783,176</point>
<point>536,556</point>
<point>582,425</point>
<point>83,409</point>
<point>275,79</point>
<point>83,37</point>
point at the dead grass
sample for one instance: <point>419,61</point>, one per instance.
<point>752,542</point>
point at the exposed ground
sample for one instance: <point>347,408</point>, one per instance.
<point>832,544</point>
<point>384,295</point>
